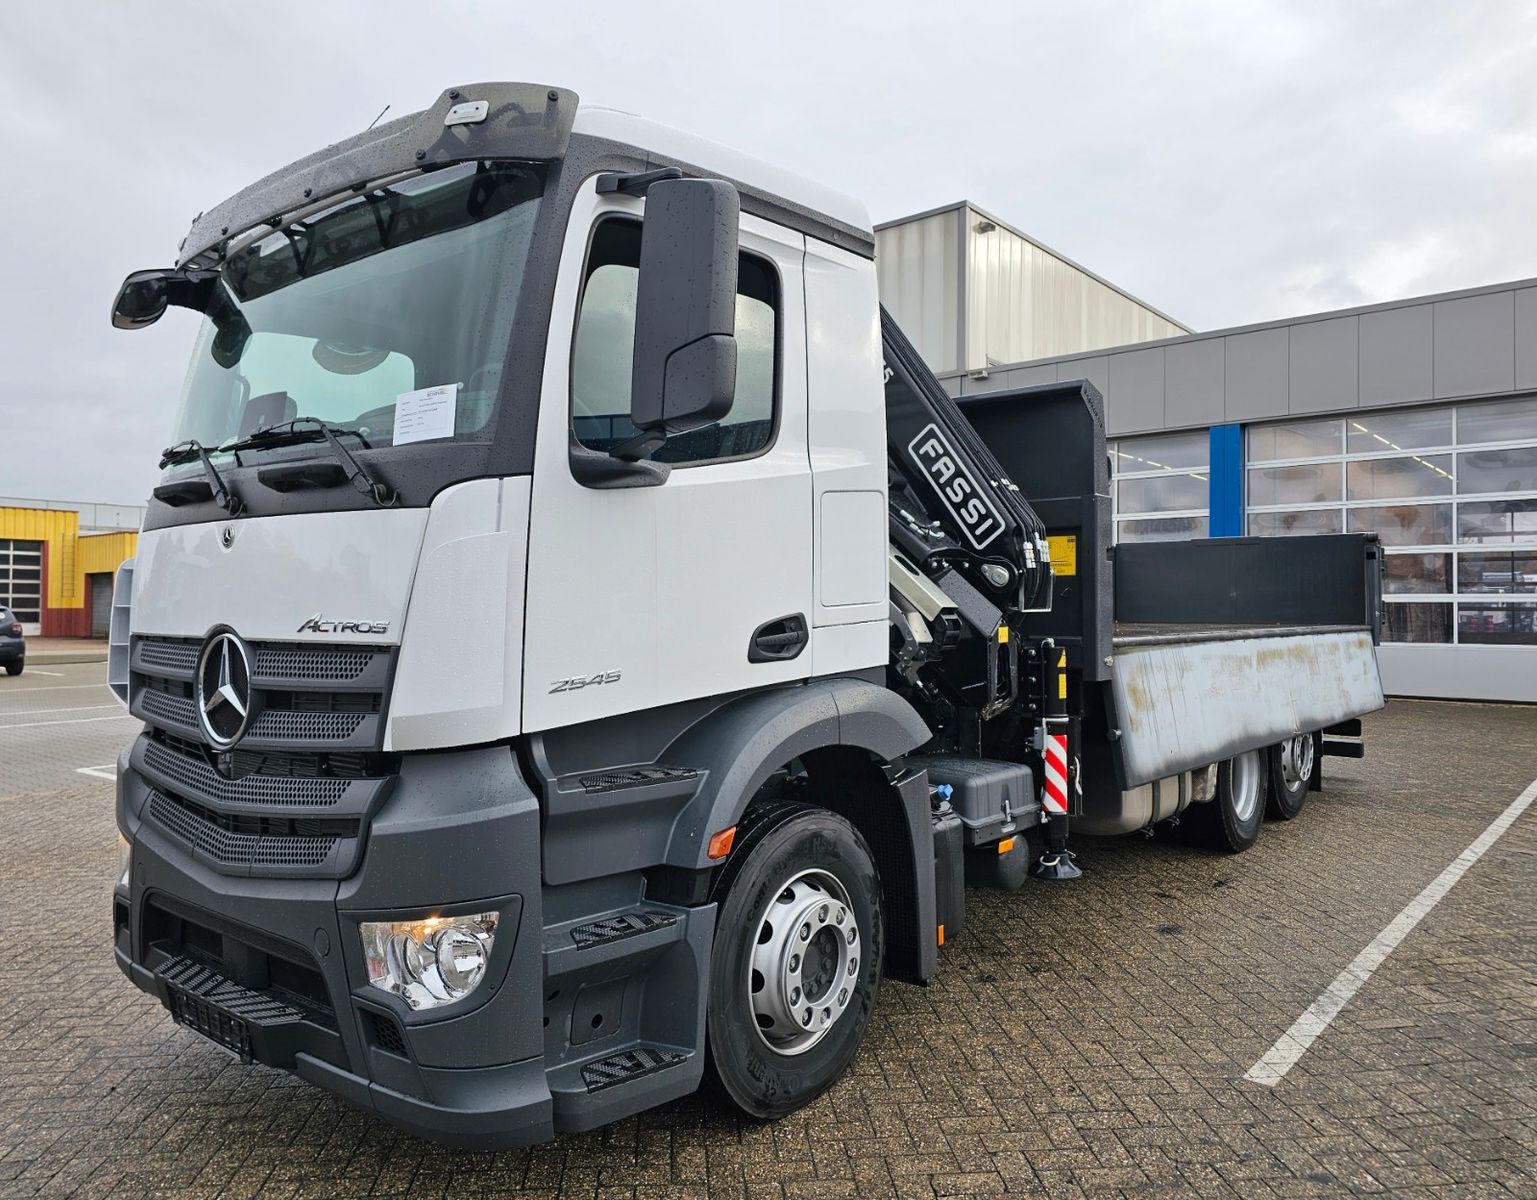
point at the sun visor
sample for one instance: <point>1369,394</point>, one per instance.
<point>473,121</point>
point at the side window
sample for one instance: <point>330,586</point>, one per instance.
<point>605,344</point>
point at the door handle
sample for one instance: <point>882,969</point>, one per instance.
<point>779,640</point>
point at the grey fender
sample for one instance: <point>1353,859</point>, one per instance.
<point>745,742</point>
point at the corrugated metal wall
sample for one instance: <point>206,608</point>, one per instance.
<point>970,296</point>
<point>106,552</point>
<point>58,532</point>
<point>1023,302</point>
<point>919,267</point>
<point>67,559</point>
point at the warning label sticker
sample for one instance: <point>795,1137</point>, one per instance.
<point>1064,553</point>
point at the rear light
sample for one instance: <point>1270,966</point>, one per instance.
<point>15,630</point>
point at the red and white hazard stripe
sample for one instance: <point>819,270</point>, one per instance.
<point>1054,794</point>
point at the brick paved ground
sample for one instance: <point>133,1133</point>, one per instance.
<point>1082,1040</point>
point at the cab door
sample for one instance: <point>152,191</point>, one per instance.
<point>645,596</point>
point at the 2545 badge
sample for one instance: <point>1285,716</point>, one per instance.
<point>577,682</point>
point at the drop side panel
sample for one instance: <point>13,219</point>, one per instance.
<point>1180,705</point>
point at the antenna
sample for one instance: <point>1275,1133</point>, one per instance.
<point>375,121</point>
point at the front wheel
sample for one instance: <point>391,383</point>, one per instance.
<point>1291,771</point>
<point>797,959</point>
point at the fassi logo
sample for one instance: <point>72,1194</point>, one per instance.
<point>976,517</point>
<point>319,624</point>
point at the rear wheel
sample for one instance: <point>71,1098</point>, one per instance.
<point>1231,820</point>
<point>14,668</point>
<point>1291,771</point>
<point>797,958</point>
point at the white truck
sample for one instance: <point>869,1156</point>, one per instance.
<point>581,647</point>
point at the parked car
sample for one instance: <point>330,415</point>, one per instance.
<point>13,647</point>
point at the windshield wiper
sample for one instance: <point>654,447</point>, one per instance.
<point>313,429</point>
<point>178,492</point>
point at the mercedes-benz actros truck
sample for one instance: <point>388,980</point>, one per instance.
<point>583,651</point>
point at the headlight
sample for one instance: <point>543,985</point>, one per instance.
<point>431,962</point>
<point>124,856</point>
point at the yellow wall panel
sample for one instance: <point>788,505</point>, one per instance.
<point>69,557</point>
<point>106,551</point>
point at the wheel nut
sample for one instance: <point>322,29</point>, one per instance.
<point>795,995</point>
<point>795,962</point>
<point>806,1019</point>
<point>853,933</point>
<point>843,996</point>
<point>822,913</point>
<point>842,914</point>
<point>853,965</point>
<point>805,933</point>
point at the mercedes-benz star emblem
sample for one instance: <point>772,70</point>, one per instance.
<point>223,690</point>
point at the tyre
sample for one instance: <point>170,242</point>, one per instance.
<point>1231,820</point>
<point>14,668</point>
<point>1291,772</point>
<point>796,964</point>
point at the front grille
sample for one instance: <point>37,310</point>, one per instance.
<point>176,712</point>
<point>306,726</point>
<point>180,657</point>
<point>322,663</point>
<point>270,846</point>
<point>294,796</point>
<point>168,710</point>
<point>197,778</point>
<point>302,695</point>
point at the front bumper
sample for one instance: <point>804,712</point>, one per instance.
<point>273,968</point>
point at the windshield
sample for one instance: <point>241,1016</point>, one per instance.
<point>387,315</point>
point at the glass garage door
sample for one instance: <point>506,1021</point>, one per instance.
<point>1160,486</point>
<point>21,582</point>
<point>1452,492</point>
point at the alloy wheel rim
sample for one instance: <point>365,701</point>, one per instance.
<point>1297,759</point>
<point>1245,771</point>
<point>805,962</point>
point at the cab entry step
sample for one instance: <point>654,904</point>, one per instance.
<point>629,1064</point>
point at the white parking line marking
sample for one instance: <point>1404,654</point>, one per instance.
<point>55,674</point>
<point>37,712</point>
<point>55,687</point>
<point>71,721</point>
<point>1294,1043</point>
<point>108,772</point>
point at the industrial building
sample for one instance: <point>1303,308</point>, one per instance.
<point>58,560</point>
<point>1415,419</point>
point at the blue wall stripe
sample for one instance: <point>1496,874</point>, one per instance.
<point>1226,496</point>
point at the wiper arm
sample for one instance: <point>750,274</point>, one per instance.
<point>313,429</point>
<point>193,451</point>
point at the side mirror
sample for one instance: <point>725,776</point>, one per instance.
<point>683,375</point>
<point>145,295</point>
<point>141,301</point>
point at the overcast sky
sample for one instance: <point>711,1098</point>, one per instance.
<point>1225,161</point>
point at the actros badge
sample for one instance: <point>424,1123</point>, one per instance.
<point>319,624</point>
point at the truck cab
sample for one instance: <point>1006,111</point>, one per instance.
<point>446,674</point>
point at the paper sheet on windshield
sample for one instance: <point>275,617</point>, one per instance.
<point>428,413</point>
